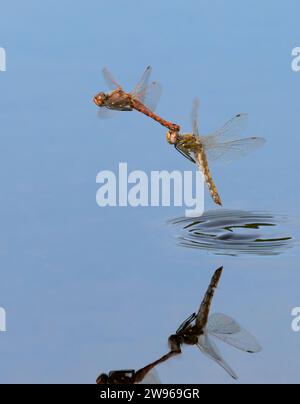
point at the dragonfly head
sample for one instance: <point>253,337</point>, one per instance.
<point>102,379</point>
<point>100,99</point>
<point>172,137</point>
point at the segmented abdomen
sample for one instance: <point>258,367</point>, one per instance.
<point>202,161</point>
<point>144,110</point>
<point>204,310</point>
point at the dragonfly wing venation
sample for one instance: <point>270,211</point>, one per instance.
<point>151,95</point>
<point>147,94</point>
<point>195,117</point>
<point>229,331</point>
<point>143,83</point>
<point>219,151</point>
<point>233,128</point>
<point>109,79</point>
<point>105,113</point>
<point>222,324</point>
<point>210,349</point>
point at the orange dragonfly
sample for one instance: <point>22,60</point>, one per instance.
<point>200,327</point>
<point>143,98</point>
<point>223,145</point>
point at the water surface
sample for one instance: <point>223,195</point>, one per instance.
<point>235,232</point>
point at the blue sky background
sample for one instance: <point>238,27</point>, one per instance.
<point>88,289</point>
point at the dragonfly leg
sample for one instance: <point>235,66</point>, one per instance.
<point>185,154</point>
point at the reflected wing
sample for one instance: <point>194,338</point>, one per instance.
<point>209,348</point>
<point>110,81</point>
<point>229,331</point>
<point>222,324</point>
<point>147,94</point>
<point>219,151</point>
<point>195,117</point>
<point>151,378</point>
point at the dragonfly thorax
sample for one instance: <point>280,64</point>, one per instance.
<point>191,339</point>
<point>188,142</point>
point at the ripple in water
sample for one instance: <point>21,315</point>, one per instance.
<point>233,232</point>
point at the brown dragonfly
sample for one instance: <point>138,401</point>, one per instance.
<point>198,328</point>
<point>146,375</point>
<point>223,145</point>
<point>143,98</point>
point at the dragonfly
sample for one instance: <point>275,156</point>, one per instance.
<point>199,327</point>
<point>143,98</point>
<point>223,145</point>
<point>146,375</point>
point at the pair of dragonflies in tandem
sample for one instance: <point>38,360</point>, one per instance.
<point>223,145</point>
<point>196,330</point>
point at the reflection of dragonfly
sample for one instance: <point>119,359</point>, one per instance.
<point>224,145</point>
<point>143,98</point>
<point>198,328</point>
<point>146,375</point>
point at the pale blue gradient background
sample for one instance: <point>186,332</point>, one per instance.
<point>89,290</point>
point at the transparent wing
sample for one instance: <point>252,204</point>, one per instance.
<point>232,129</point>
<point>195,117</point>
<point>148,95</point>
<point>209,349</point>
<point>222,324</point>
<point>151,378</point>
<point>143,83</point>
<point>109,79</point>
<point>151,95</point>
<point>105,113</point>
<point>229,331</point>
<point>224,152</point>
